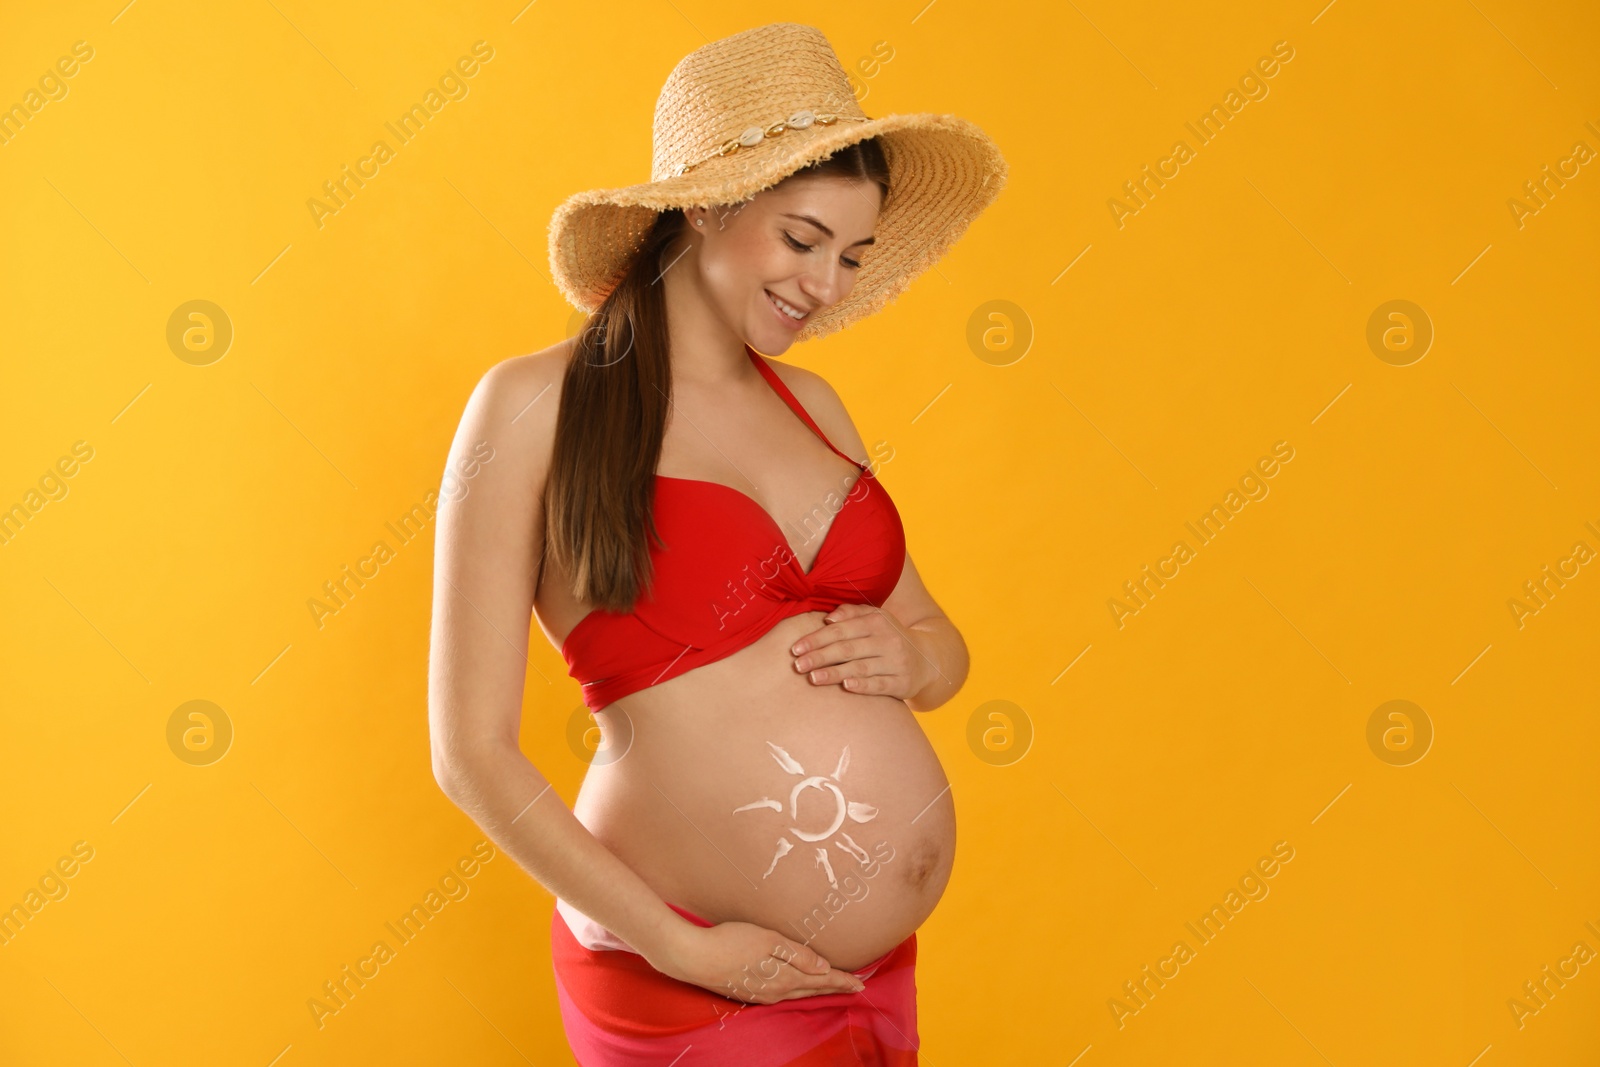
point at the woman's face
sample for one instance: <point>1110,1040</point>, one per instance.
<point>800,241</point>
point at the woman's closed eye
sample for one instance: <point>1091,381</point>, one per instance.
<point>798,247</point>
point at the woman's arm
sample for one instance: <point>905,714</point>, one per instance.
<point>908,648</point>
<point>911,650</point>
<point>489,541</point>
<point>941,661</point>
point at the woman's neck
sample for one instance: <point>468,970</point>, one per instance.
<point>704,350</point>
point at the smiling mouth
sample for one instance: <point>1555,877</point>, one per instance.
<point>784,308</point>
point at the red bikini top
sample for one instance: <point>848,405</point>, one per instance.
<point>725,575</point>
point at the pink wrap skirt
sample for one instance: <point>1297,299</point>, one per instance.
<point>617,1009</point>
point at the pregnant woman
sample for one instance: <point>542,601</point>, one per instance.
<point>701,532</point>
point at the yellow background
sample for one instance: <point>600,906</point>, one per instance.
<point>1229,313</point>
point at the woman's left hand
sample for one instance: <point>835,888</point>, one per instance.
<point>864,650</point>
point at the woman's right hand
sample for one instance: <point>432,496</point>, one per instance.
<point>750,963</point>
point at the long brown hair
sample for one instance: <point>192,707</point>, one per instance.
<point>613,416</point>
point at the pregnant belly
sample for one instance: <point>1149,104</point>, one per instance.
<point>741,791</point>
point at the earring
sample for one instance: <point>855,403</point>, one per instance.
<point>699,222</point>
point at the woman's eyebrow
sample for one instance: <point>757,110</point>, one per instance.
<point>819,225</point>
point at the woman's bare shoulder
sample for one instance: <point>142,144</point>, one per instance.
<point>511,378</point>
<point>513,408</point>
<point>520,395</point>
<point>823,403</point>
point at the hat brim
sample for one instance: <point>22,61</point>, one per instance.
<point>943,172</point>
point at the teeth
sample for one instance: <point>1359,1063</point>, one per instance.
<point>787,309</point>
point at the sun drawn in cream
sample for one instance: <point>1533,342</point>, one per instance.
<point>851,809</point>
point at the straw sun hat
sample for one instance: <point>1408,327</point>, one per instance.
<point>741,114</point>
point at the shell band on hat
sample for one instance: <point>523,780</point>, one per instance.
<point>754,135</point>
<point>740,115</point>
